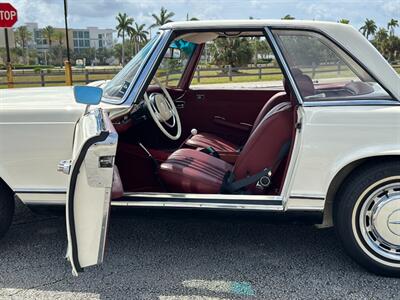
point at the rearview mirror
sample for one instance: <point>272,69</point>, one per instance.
<point>90,95</point>
<point>173,53</point>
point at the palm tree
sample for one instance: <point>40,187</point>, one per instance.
<point>23,36</point>
<point>138,36</point>
<point>59,37</point>
<point>124,25</point>
<point>288,17</point>
<point>368,28</point>
<point>393,23</point>
<point>344,21</point>
<point>48,33</point>
<point>163,18</point>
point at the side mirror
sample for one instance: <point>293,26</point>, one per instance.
<point>90,95</point>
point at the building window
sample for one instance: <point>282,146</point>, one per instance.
<point>86,34</point>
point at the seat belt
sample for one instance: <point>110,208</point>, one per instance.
<point>211,151</point>
<point>262,178</point>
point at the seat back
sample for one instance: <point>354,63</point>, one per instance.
<point>264,144</point>
<point>272,102</point>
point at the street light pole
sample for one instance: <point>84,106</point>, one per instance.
<point>67,63</point>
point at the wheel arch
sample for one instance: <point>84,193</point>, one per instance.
<point>340,178</point>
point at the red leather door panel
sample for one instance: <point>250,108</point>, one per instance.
<point>223,112</point>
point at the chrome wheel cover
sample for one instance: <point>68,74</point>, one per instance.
<point>379,220</point>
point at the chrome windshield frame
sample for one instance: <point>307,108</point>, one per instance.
<point>138,78</point>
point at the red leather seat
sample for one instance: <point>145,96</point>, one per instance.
<point>191,171</point>
<point>205,140</point>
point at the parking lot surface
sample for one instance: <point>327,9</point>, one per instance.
<point>177,255</point>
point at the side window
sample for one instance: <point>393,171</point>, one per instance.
<point>174,63</point>
<point>323,71</point>
<point>237,62</point>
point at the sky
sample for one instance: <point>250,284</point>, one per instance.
<point>101,13</point>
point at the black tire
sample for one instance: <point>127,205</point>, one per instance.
<point>356,196</point>
<point>7,207</point>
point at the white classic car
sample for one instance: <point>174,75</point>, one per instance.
<point>321,138</point>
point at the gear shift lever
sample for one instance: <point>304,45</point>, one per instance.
<point>193,132</point>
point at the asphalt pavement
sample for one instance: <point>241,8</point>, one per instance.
<point>177,255</point>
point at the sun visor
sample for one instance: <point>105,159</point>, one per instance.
<point>199,37</point>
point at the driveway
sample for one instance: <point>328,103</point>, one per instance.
<point>169,255</point>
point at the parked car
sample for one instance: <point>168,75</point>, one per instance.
<point>324,142</point>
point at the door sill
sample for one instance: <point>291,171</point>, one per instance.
<point>201,201</point>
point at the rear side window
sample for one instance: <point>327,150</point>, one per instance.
<point>323,71</point>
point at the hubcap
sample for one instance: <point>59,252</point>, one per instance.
<point>379,221</point>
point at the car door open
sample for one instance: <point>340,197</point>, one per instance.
<point>89,190</point>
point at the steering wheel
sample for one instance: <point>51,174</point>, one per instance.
<point>162,109</point>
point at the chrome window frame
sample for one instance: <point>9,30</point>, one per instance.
<point>126,97</point>
<point>330,102</point>
<point>146,70</point>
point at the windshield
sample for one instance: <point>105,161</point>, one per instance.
<point>118,86</point>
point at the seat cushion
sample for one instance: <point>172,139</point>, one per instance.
<point>205,140</point>
<point>191,171</point>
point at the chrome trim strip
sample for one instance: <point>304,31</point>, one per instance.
<point>203,196</point>
<point>40,191</point>
<point>364,102</point>
<point>305,196</point>
<point>198,205</point>
<point>285,66</point>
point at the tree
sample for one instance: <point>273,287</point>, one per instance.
<point>288,17</point>
<point>369,28</point>
<point>191,19</point>
<point>48,33</point>
<point>22,37</point>
<point>163,18</point>
<point>138,36</point>
<point>59,37</point>
<point>124,25</point>
<point>380,41</point>
<point>393,23</point>
<point>344,21</point>
<point>235,52</point>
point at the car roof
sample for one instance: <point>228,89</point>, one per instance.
<point>344,35</point>
<point>250,23</point>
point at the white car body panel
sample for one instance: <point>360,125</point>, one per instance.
<point>333,137</point>
<point>37,125</point>
<point>40,121</point>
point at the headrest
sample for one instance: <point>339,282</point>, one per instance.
<point>303,82</point>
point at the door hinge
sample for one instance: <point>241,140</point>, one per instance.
<point>298,125</point>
